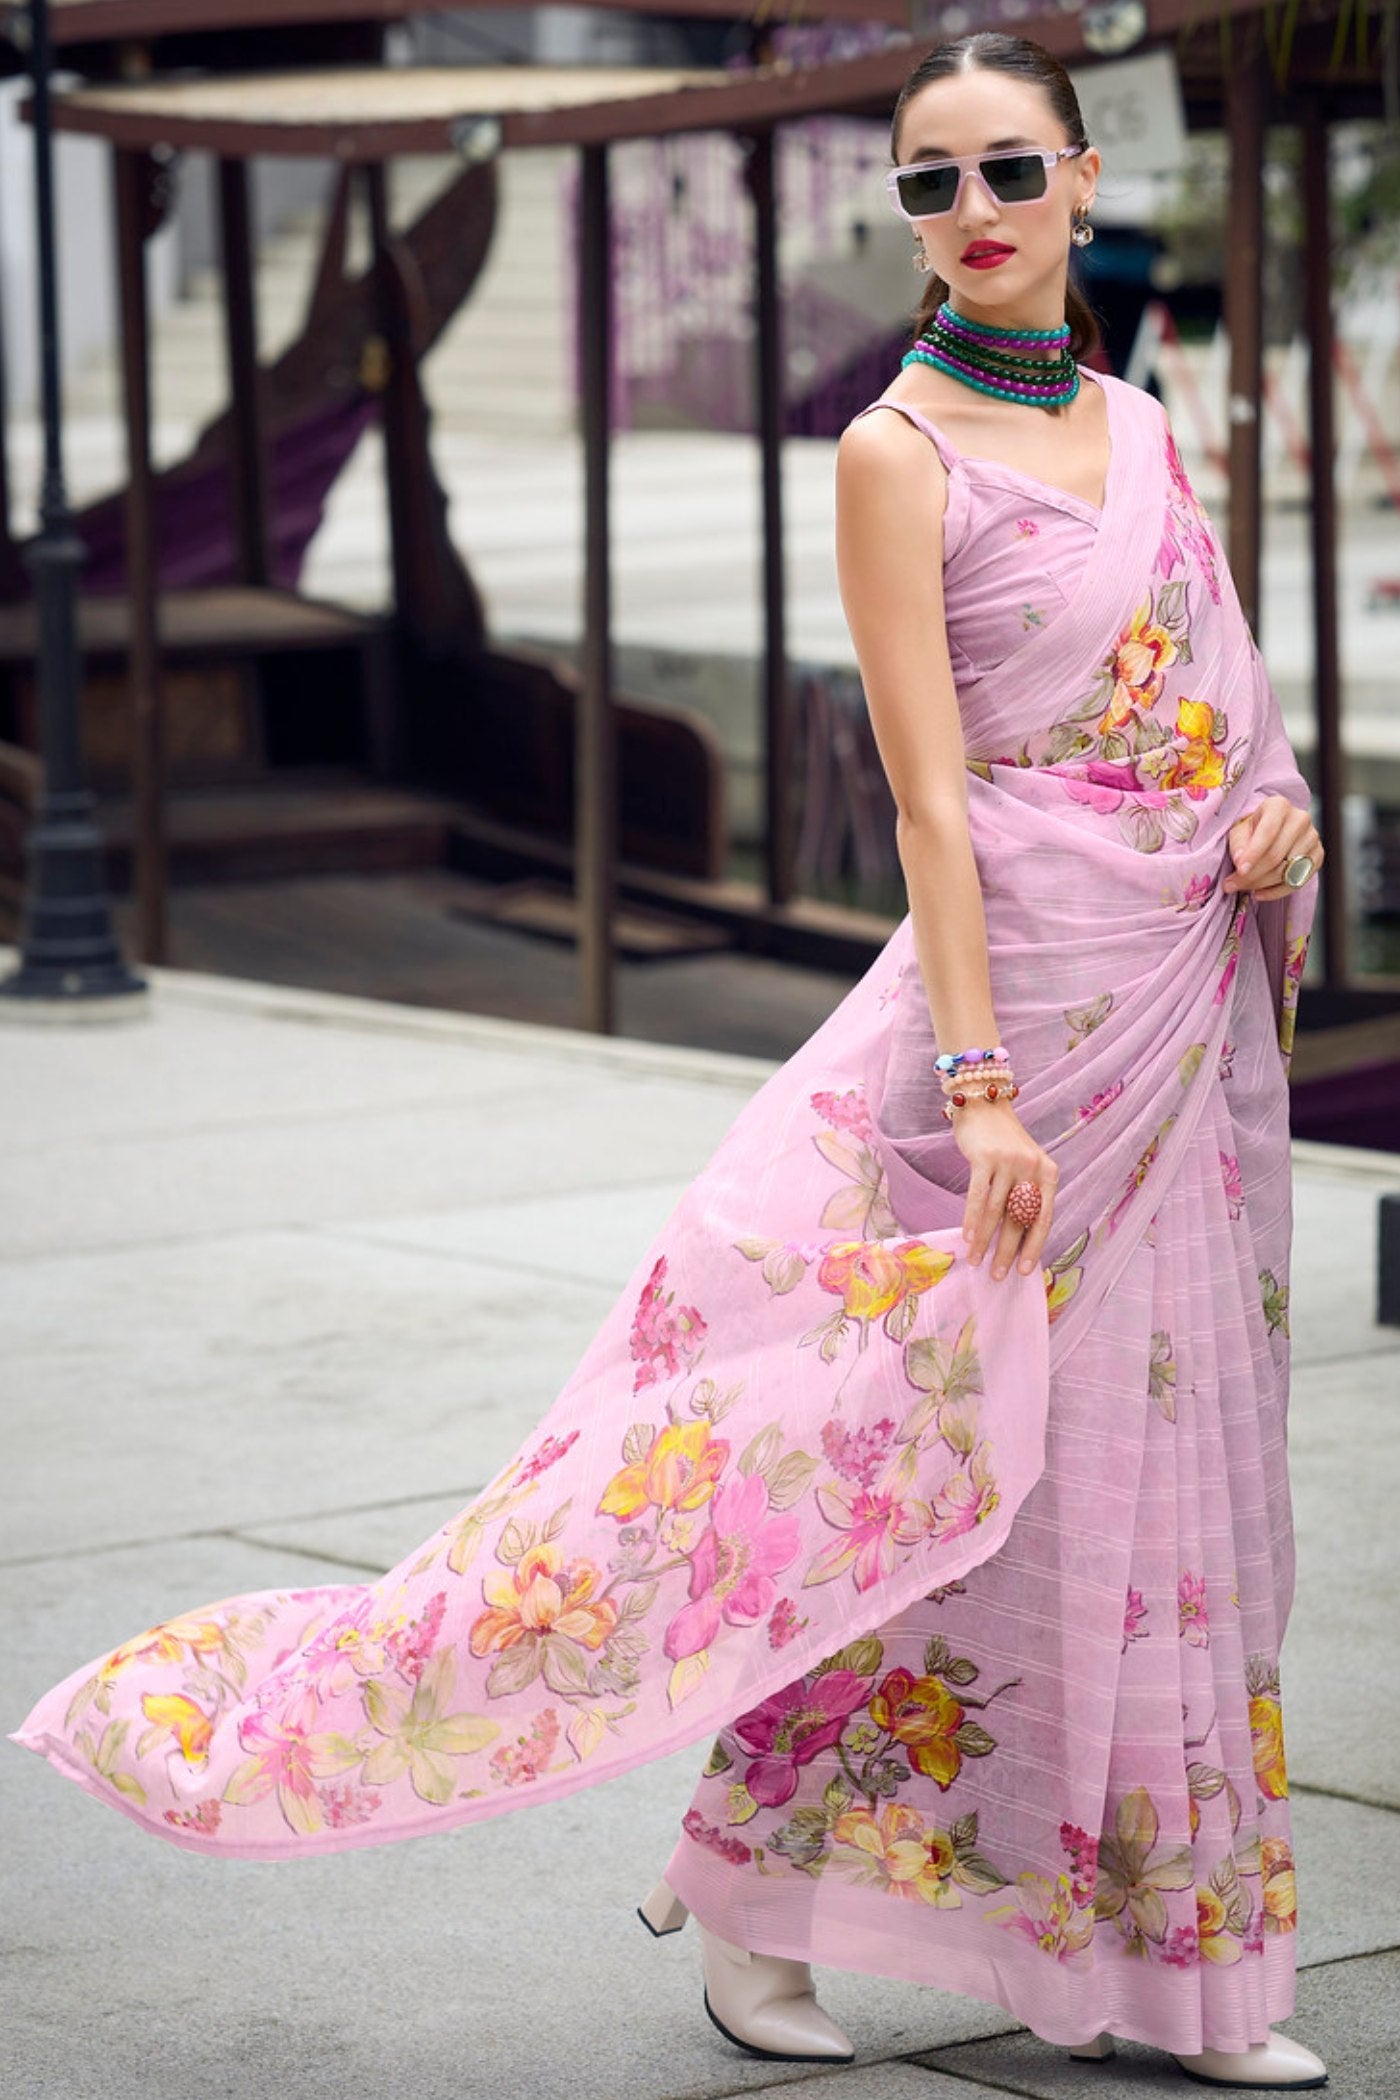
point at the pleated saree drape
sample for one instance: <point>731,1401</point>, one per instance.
<point>977,1586</point>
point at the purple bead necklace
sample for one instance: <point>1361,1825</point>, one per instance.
<point>1034,365</point>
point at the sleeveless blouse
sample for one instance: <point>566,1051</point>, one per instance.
<point>1013,551</point>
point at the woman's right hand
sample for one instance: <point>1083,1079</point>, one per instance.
<point>1001,1151</point>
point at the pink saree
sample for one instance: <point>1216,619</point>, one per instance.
<point>976,1586</point>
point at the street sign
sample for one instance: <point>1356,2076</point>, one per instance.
<point>1133,112</point>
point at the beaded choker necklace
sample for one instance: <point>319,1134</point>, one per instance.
<point>1033,365</point>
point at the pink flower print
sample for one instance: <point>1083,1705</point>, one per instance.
<point>1191,1610</point>
<point>1186,525</point>
<point>714,1840</point>
<point>1100,1102</point>
<point>1234,1186</point>
<point>795,1725</point>
<point>1044,1913</point>
<point>1226,1065</point>
<point>857,1454</point>
<point>205,1818</point>
<point>524,1760</point>
<point>872,1521</point>
<point>288,1757</point>
<point>732,1568</point>
<point>411,1645</point>
<point>549,1454</point>
<point>1136,1179</point>
<point>661,1337</point>
<point>351,1646</point>
<point>1027,529</point>
<point>1197,890</point>
<point>1133,1616</point>
<point>1104,785</point>
<point>784,1624</point>
<point>1181,1948</point>
<point>1083,1852</point>
<point>347,1805</point>
<point>965,1499</point>
<point>846,1111</point>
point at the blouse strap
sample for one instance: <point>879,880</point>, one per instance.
<point>947,452</point>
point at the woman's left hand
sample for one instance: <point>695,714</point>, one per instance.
<point>1263,843</point>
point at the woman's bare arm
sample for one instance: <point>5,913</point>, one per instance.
<point>891,491</point>
<point>891,494</point>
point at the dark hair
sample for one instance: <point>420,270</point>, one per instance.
<point>988,50</point>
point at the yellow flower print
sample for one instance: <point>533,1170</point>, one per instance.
<point>1280,1886</point>
<point>871,1277</point>
<point>923,1716</point>
<point>679,1471</point>
<point>189,1724</point>
<point>1046,1914</point>
<point>1266,1733</point>
<point>1218,1943</point>
<point>1140,663</point>
<point>1199,762</point>
<point>540,1596</point>
<point>165,1643</point>
<point>895,1851</point>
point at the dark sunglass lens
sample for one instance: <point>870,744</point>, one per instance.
<point>1017,178</point>
<point>927,191</point>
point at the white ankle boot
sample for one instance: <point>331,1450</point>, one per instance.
<point>1277,2064</point>
<point>763,2003</point>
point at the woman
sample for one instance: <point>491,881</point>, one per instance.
<point>1037,1760</point>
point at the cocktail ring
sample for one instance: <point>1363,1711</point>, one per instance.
<point>1299,870</point>
<point>1023,1204</point>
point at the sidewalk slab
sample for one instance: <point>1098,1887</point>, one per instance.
<point>234,1379</point>
<point>298,1274</point>
<point>1347,2011</point>
<point>1341,1689</point>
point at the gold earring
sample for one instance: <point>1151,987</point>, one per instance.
<point>921,261</point>
<point>1082,232</point>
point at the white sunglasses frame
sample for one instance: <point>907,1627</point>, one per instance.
<point>972,164</point>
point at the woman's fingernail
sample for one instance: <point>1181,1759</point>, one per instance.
<point>1242,866</point>
<point>998,1274</point>
<point>1026,1267</point>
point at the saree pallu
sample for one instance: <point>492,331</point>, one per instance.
<point>976,1585</point>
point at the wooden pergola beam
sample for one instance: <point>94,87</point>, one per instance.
<point>100,21</point>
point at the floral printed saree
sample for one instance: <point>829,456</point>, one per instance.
<point>976,1588</point>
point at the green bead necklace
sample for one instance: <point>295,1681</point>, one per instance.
<point>994,360</point>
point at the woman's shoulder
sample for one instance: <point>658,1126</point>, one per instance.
<point>873,437</point>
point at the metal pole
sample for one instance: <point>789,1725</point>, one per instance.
<point>1244,296</point>
<point>248,465</point>
<point>595,753</point>
<point>143,646</point>
<point>69,958</point>
<point>777,713</point>
<point>1317,297</point>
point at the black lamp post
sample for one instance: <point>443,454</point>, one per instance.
<point>69,958</point>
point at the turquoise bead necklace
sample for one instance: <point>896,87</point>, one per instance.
<point>995,360</point>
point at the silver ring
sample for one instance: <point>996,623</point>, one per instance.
<point>1299,870</point>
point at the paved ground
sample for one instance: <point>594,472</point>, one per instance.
<point>269,1291</point>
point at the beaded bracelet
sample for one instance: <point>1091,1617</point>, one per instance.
<point>991,1092</point>
<point>955,1060</point>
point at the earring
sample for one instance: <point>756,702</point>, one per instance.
<point>921,261</point>
<point>1081,233</point>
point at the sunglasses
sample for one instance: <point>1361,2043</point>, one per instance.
<point>929,187</point>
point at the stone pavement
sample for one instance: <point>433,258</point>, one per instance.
<point>283,1277</point>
